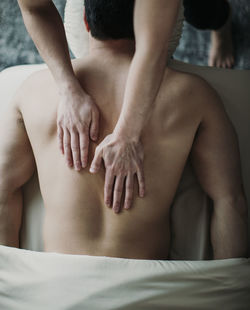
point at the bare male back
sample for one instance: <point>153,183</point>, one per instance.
<point>188,117</point>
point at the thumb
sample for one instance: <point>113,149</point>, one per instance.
<point>94,126</point>
<point>96,162</point>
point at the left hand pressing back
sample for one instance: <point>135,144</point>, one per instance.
<point>123,159</point>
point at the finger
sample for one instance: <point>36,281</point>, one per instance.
<point>108,187</point>
<point>67,147</point>
<point>96,162</point>
<point>129,191</point>
<point>94,126</point>
<point>119,182</point>
<point>60,138</point>
<point>141,181</point>
<point>84,147</point>
<point>75,148</point>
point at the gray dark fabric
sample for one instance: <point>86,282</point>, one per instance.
<point>16,47</point>
<point>194,45</point>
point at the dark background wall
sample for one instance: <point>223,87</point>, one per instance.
<point>16,46</point>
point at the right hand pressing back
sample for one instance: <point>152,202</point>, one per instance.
<point>77,121</point>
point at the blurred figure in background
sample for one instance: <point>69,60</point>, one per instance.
<point>214,15</point>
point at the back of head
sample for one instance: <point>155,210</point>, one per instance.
<point>110,19</point>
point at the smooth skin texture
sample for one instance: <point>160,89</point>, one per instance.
<point>122,150</point>
<point>77,112</point>
<point>188,119</point>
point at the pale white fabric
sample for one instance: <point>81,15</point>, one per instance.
<point>32,280</point>
<point>77,35</point>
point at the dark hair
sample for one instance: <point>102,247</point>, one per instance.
<point>110,19</point>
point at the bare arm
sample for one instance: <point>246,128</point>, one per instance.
<point>77,116</point>
<point>45,27</point>
<point>154,22</point>
<point>16,167</point>
<point>216,160</point>
<point>122,151</point>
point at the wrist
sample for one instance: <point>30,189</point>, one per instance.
<point>127,134</point>
<point>67,82</point>
<point>70,85</point>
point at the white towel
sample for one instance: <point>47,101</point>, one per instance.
<point>38,280</point>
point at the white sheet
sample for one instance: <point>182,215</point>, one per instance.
<point>37,280</point>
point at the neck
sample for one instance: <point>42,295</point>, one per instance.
<point>115,47</point>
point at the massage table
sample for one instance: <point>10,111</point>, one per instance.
<point>33,279</point>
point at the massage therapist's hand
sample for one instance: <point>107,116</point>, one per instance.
<point>77,121</point>
<point>123,158</point>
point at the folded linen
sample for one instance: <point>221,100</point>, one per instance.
<point>39,280</point>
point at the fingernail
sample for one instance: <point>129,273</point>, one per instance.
<point>92,170</point>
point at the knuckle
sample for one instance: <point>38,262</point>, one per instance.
<point>111,170</point>
<point>118,190</point>
<point>108,187</point>
<point>129,189</point>
<point>81,128</point>
<point>75,148</point>
<point>84,128</point>
<point>142,186</point>
<point>60,135</point>
<point>107,193</point>
<point>94,129</point>
<point>141,177</point>
<point>60,123</point>
<point>84,148</point>
<point>122,171</point>
<point>72,127</point>
<point>128,200</point>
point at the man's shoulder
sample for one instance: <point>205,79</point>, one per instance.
<point>41,81</point>
<point>36,86</point>
<point>188,88</point>
<point>186,82</point>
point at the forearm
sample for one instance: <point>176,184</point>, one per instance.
<point>143,83</point>
<point>10,218</point>
<point>154,22</point>
<point>45,26</point>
